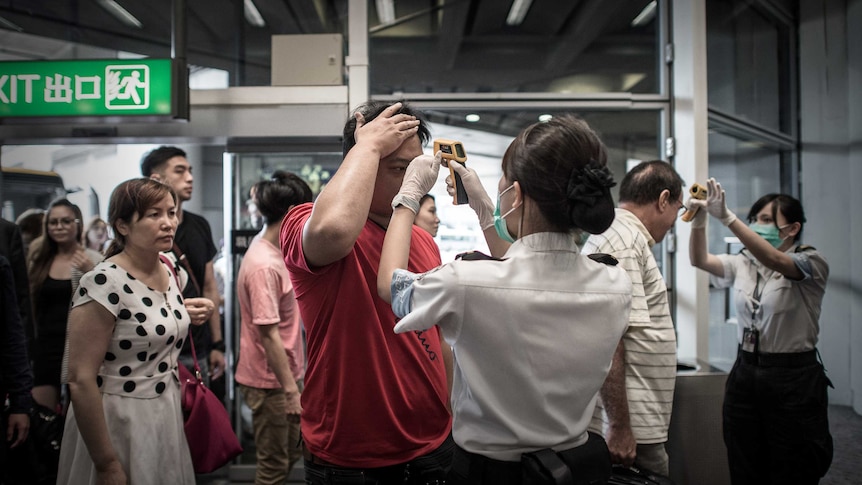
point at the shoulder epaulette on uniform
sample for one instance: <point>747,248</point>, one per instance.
<point>476,256</point>
<point>604,258</point>
<point>804,247</point>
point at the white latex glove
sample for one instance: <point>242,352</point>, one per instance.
<point>478,199</point>
<point>715,203</point>
<point>418,181</point>
<point>699,219</point>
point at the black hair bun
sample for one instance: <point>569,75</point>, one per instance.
<point>591,206</point>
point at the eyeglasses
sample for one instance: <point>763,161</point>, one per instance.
<point>65,222</point>
<point>682,207</point>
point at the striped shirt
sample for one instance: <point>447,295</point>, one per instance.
<point>650,340</point>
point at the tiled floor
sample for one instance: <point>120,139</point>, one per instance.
<point>846,468</point>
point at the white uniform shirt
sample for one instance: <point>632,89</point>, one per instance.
<point>788,317</point>
<point>650,340</point>
<point>533,337</point>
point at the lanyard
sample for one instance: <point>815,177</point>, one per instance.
<point>755,300</point>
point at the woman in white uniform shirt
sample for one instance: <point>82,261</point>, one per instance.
<point>533,332</point>
<point>775,407</point>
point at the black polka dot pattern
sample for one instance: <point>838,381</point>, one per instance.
<point>149,331</point>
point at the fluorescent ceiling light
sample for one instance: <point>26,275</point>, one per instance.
<point>120,13</point>
<point>8,24</point>
<point>646,15</point>
<point>252,14</point>
<point>518,12</point>
<point>385,11</point>
<point>472,117</point>
<point>545,117</point>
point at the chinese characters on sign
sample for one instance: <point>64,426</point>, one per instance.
<point>85,88</point>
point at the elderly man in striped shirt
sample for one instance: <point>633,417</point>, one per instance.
<point>634,409</point>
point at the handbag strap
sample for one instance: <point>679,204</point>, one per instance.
<point>181,259</point>
<point>170,266</point>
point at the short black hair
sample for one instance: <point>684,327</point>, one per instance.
<point>645,182</point>
<point>372,109</point>
<point>157,157</point>
<point>277,195</point>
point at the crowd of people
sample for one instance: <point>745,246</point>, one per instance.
<point>365,356</point>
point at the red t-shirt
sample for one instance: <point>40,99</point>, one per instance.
<point>372,398</point>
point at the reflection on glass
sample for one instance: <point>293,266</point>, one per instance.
<point>628,135</point>
<point>559,47</point>
<point>748,63</point>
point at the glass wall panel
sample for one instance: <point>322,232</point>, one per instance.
<point>316,169</point>
<point>749,65</point>
<point>629,135</point>
<point>593,46</point>
<point>746,170</point>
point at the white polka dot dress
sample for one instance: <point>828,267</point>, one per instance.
<point>138,380</point>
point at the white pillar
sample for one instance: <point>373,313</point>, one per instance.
<point>357,53</point>
<point>691,155</point>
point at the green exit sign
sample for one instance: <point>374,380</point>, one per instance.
<point>113,87</point>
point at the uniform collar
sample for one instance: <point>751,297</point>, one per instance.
<point>632,219</point>
<point>544,241</point>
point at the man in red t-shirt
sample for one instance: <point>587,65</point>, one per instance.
<point>375,403</point>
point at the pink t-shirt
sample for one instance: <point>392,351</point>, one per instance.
<point>266,298</point>
<point>372,398</point>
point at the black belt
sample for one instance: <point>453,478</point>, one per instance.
<point>791,359</point>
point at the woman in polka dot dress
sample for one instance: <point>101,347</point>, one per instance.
<point>126,329</point>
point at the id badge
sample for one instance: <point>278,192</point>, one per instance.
<point>749,339</point>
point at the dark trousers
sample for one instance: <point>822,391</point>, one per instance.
<point>430,469</point>
<point>776,427</point>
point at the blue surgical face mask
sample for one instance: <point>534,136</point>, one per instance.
<point>500,221</point>
<point>770,232</point>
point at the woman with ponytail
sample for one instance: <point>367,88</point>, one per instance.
<point>533,332</point>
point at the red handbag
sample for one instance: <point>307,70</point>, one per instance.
<point>212,441</point>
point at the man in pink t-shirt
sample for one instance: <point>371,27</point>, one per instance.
<point>375,403</point>
<point>272,361</point>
